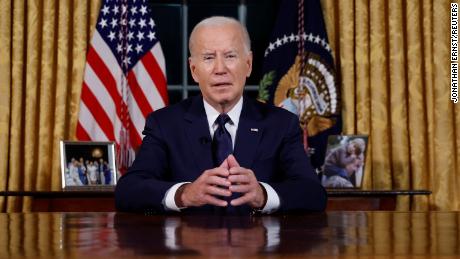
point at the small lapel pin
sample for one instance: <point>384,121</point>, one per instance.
<point>254,130</point>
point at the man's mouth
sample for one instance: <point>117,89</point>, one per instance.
<point>221,84</point>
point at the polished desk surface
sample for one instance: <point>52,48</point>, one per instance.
<point>109,192</point>
<point>102,200</point>
<point>330,234</point>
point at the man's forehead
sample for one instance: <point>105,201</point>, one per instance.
<point>220,37</point>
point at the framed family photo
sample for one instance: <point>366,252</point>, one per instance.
<point>88,165</point>
<point>344,161</point>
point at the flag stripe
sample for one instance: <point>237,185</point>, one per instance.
<point>98,112</point>
<point>93,130</point>
<point>137,118</point>
<point>108,58</point>
<point>105,76</point>
<point>138,95</point>
<point>135,135</point>
<point>148,86</point>
<point>155,73</point>
<point>81,133</point>
<point>92,81</point>
<point>158,54</point>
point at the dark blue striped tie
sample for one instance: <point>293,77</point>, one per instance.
<point>222,141</point>
<point>221,148</point>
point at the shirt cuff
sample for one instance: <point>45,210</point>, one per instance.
<point>273,200</point>
<point>168,201</point>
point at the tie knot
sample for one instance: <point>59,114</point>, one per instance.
<point>222,119</point>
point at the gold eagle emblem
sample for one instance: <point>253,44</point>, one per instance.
<point>312,96</point>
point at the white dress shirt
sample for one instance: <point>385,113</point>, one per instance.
<point>273,200</point>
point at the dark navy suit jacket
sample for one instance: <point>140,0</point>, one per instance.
<point>177,148</point>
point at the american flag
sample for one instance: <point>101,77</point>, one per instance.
<point>124,79</point>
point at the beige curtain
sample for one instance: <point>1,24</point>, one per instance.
<point>42,56</point>
<point>394,60</point>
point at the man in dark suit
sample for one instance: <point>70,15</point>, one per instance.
<point>220,152</point>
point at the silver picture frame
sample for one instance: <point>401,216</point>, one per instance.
<point>344,161</point>
<point>88,165</point>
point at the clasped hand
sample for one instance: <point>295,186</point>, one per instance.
<point>220,182</point>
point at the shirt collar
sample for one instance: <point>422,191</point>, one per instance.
<point>234,113</point>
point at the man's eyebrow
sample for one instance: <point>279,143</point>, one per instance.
<point>231,52</point>
<point>207,53</point>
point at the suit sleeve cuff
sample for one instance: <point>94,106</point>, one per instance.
<point>273,200</point>
<point>168,201</point>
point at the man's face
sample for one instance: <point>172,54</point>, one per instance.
<point>351,149</point>
<point>220,64</point>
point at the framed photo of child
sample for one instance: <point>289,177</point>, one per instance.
<point>344,161</point>
<point>87,165</point>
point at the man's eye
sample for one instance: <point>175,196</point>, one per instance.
<point>207,57</point>
<point>231,56</point>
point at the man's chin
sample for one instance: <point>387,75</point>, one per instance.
<point>224,103</point>
<point>223,99</point>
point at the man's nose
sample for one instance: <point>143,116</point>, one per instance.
<point>220,67</point>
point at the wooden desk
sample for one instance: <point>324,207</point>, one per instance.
<point>102,201</point>
<point>331,234</point>
<point>358,200</point>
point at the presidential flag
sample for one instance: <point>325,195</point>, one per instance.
<point>299,74</point>
<point>124,78</point>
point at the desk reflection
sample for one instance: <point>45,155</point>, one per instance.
<point>216,236</point>
<point>93,235</point>
<point>225,236</point>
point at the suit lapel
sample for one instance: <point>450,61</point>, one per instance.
<point>249,133</point>
<point>197,131</point>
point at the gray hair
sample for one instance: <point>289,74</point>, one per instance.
<point>218,21</point>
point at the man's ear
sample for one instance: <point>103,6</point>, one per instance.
<point>249,63</point>
<point>192,69</point>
